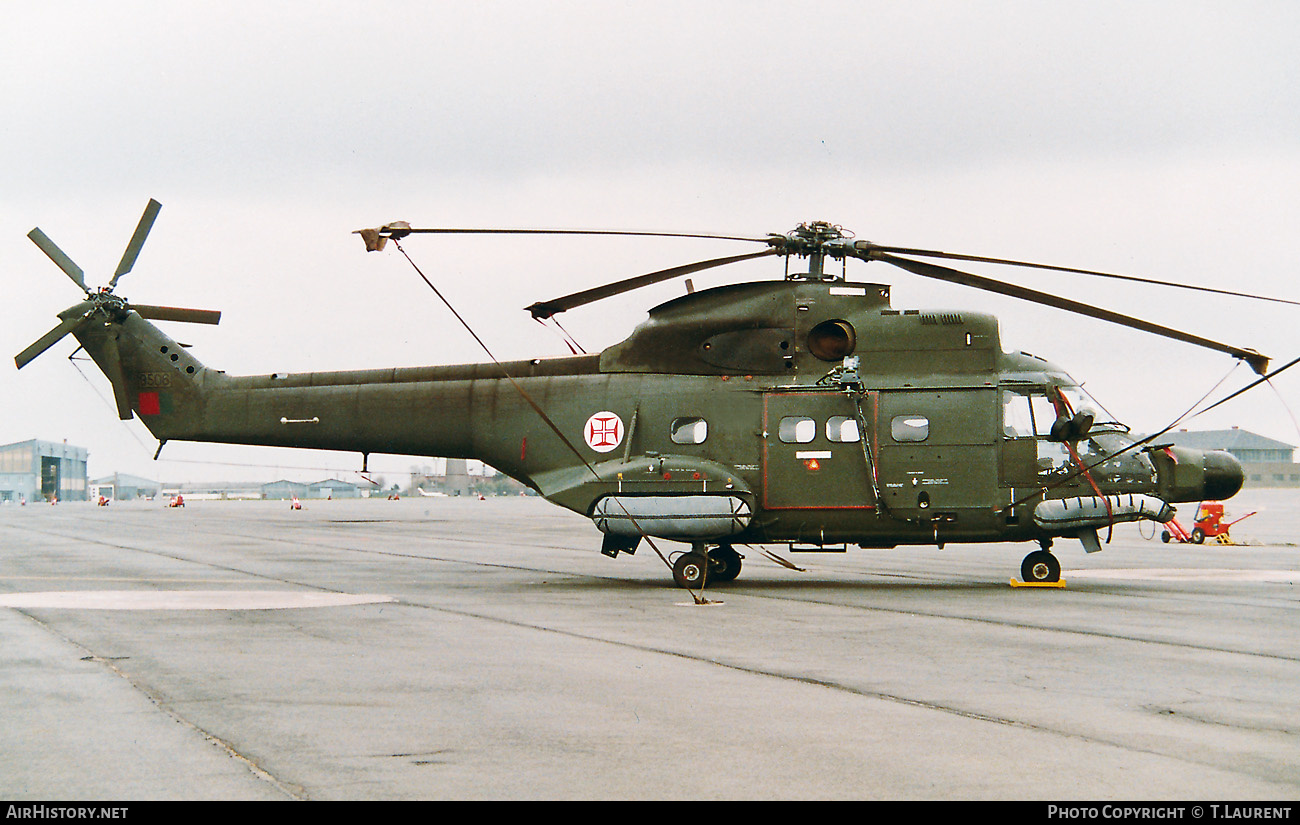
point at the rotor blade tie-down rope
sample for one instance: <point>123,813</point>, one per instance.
<point>567,336</point>
<point>573,349</point>
<point>1063,408</point>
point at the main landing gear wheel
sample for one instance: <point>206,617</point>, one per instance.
<point>689,570</point>
<point>724,564</point>
<point>1040,566</point>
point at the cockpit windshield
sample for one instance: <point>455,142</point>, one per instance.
<point>1031,411</point>
<point>1080,401</point>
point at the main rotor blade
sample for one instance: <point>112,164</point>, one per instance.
<point>192,316</point>
<point>1258,362</point>
<point>545,309</point>
<point>61,260</point>
<point>137,241</point>
<point>48,340</point>
<point>453,231</point>
<point>934,253</point>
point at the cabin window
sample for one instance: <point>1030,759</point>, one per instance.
<point>797,429</point>
<point>689,430</point>
<point>842,429</point>
<point>909,428</point>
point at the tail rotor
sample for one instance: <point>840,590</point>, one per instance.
<point>103,302</point>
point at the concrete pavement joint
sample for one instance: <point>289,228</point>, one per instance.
<point>293,792</point>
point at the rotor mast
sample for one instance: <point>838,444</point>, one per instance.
<point>814,241</point>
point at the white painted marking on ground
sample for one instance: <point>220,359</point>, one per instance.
<point>187,599</point>
<point>1209,574</point>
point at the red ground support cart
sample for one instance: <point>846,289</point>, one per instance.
<point>1209,523</point>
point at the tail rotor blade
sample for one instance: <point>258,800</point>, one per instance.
<point>137,240</point>
<point>48,340</point>
<point>191,316</point>
<point>61,260</point>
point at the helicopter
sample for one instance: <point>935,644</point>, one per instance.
<point>805,411</point>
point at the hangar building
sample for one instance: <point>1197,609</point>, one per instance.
<point>1266,462</point>
<point>42,470</point>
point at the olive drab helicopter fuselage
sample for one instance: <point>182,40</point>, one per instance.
<point>806,412</point>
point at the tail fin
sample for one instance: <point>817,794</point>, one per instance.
<point>152,375</point>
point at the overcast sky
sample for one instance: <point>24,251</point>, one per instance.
<point>1159,139</point>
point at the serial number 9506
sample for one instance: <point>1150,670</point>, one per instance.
<point>155,380</point>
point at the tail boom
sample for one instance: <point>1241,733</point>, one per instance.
<point>426,411</point>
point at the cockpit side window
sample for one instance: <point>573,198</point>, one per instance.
<point>1017,419</point>
<point>1044,414</point>
<point>1027,413</point>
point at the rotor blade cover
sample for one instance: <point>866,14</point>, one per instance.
<point>112,368</point>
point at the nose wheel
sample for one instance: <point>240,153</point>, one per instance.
<point>1040,566</point>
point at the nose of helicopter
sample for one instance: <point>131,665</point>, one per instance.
<point>1223,475</point>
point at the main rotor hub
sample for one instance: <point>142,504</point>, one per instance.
<point>820,232</point>
<point>105,299</point>
<point>815,241</point>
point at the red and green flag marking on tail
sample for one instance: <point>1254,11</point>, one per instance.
<point>155,403</point>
